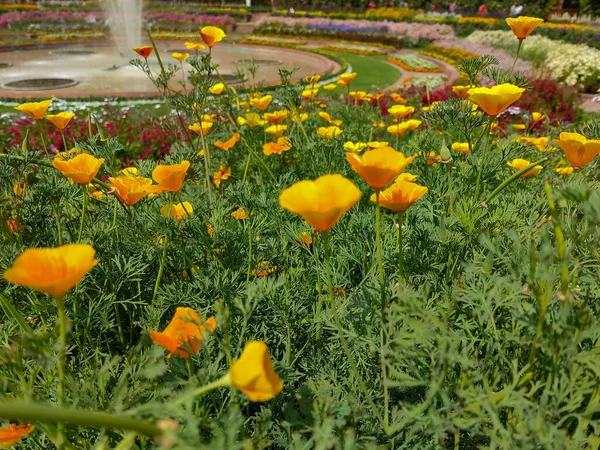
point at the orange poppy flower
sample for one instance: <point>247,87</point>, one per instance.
<point>276,117</point>
<point>321,202</point>
<point>179,211</point>
<point>261,103</point>
<point>578,150</point>
<point>520,164</point>
<point>312,79</point>
<point>222,174</point>
<point>185,333</point>
<point>169,177</point>
<point>496,99</point>
<point>523,26</point>
<point>212,35</point>
<point>379,167</point>
<point>330,87</point>
<point>52,270</point>
<point>253,373</point>
<point>400,196</point>
<point>309,94</point>
<point>81,169</point>
<point>283,144</point>
<point>144,51</point>
<point>131,189</point>
<point>12,434</point>
<point>35,110</point>
<point>60,120</point>
<point>462,91</point>
<point>229,143</point>
<point>239,214</point>
<point>397,98</point>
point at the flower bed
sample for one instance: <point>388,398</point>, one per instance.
<point>568,63</point>
<point>413,63</point>
<point>72,36</point>
<point>450,55</point>
<point>275,42</point>
<point>355,49</point>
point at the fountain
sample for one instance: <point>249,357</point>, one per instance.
<point>125,22</point>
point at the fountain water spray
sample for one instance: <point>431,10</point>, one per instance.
<point>125,20</point>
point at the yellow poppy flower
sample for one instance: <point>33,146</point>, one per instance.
<point>131,189</point>
<point>239,214</point>
<point>229,143</point>
<point>212,35</point>
<point>35,110</point>
<point>217,89</point>
<point>399,112</point>
<point>201,129</point>
<point>60,120</point>
<point>402,127</point>
<point>329,132</point>
<point>325,116</point>
<point>462,91</point>
<point>261,103</point>
<point>346,78</point>
<point>169,177</point>
<point>520,163</point>
<point>283,144</point>
<point>330,87</point>
<point>276,130</point>
<point>378,167</point>
<point>496,99</point>
<point>194,46</point>
<point>277,117</point>
<point>321,202</point>
<point>220,175</point>
<point>252,120</point>
<point>564,171</point>
<point>253,373</point>
<point>461,147</point>
<point>354,146</point>
<point>181,57</point>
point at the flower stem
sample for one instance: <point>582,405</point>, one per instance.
<point>83,211</point>
<point>516,56</point>
<point>161,268</point>
<point>36,412</point>
<point>190,368</point>
<point>221,382</point>
<point>39,127</point>
<point>378,241</point>
<point>561,245</point>
<point>62,134</point>
<point>400,253</point>
<point>512,178</point>
<point>62,362</point>
<point>482,157</point>
<point>450,199</point>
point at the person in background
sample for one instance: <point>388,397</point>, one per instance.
<point>452,8</point>
<point>513,10</point>
<point>518,10</point>
<point>372,5</point>
<point>482,10</point>
<point>436,7</point>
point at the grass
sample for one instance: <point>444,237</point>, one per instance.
<point>375,72</point>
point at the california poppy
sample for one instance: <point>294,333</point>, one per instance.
<point>212,35</point>
<point>321,202</point>
<point>346,78</point>
<point>185,333</point>
<point>229,143</point>
<point>399,112</point>
<point>222,174</point>
<point>60,120</point>
<point>578,150</point>
<point>520,164</point>
<point>379,167</point>
<point>496,99</point>
<point>329,132</point>
<point>12,434</point>
<point>169,177</point>
<point>35,110</point>
<point>181,57</point>
<point>217,89</point>
<point>283,144</point>
<point>81,169</point>
<point>131,189</point>
<point>201,129</point>
<point>52,270</point>
<point>523,26</point>
<point>400,196</point>
<point>144,51</point>
<point>276,117</point>
<point>253,373</point>
<point>261,103</point>
<point>179,211</point>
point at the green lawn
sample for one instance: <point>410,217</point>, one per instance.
<point>374,72</point>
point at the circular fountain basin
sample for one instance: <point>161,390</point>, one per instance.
<point>85,70</point>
